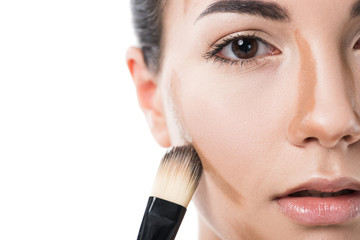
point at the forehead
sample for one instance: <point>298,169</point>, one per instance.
<point>189,6</point>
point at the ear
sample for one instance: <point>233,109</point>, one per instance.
<point>149,96</point>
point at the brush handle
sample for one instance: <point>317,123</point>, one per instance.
<point>161,220</point>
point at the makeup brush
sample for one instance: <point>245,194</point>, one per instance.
<point>176,180</point>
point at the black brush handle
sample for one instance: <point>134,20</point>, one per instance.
<point>161,220</point>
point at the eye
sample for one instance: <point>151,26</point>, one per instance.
<point>247,48</point>
<point>242,49</point>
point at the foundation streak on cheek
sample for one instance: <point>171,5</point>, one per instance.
<point>176,111</point>
<point>307,84</point>
<point>209,168</point>
<point>221,183</point>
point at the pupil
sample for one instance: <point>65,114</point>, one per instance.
<point>245,48</point>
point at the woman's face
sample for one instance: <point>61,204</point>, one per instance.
<point>269,94</point>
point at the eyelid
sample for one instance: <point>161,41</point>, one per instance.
<point>258,34</point>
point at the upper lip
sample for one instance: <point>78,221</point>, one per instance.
<point>323,185</point>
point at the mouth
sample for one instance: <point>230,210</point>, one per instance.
<point>314,193</point>
<point>321,202</point>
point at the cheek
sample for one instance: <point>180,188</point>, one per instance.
<point>235,126</point>
<point>230,125</point>
<point>227,134</point>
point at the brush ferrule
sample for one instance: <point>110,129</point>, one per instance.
<point>161,220</point>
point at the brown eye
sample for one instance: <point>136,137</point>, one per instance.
<point>245,48</point>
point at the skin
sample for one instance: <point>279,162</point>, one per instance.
<point>262,127</point>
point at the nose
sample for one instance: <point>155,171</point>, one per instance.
<point>326,106</point>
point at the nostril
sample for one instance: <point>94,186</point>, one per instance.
<point>310,139</point>
<point>351,139</point>
<point>347,138</point>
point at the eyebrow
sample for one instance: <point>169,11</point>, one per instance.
<point>268,10</point>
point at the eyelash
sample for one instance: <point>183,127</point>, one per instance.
<point>216,48</point>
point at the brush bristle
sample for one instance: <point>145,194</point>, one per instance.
<point>178,175</point>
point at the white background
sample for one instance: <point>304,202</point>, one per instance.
<point>77,160</point>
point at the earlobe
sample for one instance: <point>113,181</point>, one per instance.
<point>149,96</point>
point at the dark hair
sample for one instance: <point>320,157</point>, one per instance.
<point>147,20</point>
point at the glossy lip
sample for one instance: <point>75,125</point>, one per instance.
<point>321,211</point>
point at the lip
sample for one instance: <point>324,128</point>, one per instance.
<point>321,211</point>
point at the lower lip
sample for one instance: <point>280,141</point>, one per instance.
<point>321,211</point>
